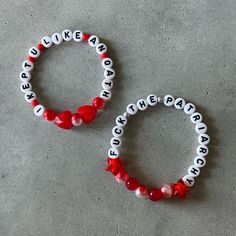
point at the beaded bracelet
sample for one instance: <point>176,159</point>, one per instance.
<point>86,113</point>
<point>181,187</point>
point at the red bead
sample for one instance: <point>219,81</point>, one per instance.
<point>98,102</point>
<point>155,194</point>
<point>87,113</point>
<point>104,55</point>
<point>122,175</point>
<point>40,47</point>
<point>49,114</point>
<point>34,103</point>
<point>132,183</point>
<point>143,189</point>
<point>63,120</point>
<point>114,165</point>
<point>86,37</point>
<point>180,189</point>
<point>32,59</point>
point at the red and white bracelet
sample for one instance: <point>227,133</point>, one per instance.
<point>181,187</point>
<point>86,113</point>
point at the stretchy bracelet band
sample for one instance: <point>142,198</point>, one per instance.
<point>181,187</point>
<point>86,113</point>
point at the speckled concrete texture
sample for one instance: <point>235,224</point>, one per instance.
<point>53,183</point>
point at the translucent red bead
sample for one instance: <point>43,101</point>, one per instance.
<point>132,183</point>
<point>34,103</point>
<point>98,102</point>
<point>155,194</point>
<point>63,120</point>
<point>49,115</point>
<point>87,113</point>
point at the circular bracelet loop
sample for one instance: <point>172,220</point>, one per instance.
<point>86,113</point>
<point>181,187</point>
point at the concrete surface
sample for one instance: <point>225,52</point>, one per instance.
<point>53,182</point>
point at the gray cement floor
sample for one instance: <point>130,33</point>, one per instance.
<point>53,182</point>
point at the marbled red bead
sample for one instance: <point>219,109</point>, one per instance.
<point>98,102</point>
<point>132,183</point>
<point>155,194</point>
<point>49,115</point>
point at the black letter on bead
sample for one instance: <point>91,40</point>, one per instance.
<point>108,83</point>
<point>142,104</point>
<point>204,139</point>
<point>101,48</point>
<point>109,72</point>
<point>118,131</point>
<point>66,34</point>
<point>189,181</point>
<point>190,107</point>
<point>203,150</point>
<point>29,96</point>
<point>152,99</point>
<point>131,107</point>
<point>169,99</point>
<point>180,103</point>
<point>77,35</point>
<point>194,171</point>
<point>27,65</point>
<point>25,86</point>
<point>93,40</point>
<point>106,94</point>
<point>201,162</point>
<point>112,153</point>
<point>196,117</point>
<point>24,76</point>
<point>116,142</point>
<point>121,121</point>
<point>107,62</point>
<point>46,42</point>
<point>34,51</point>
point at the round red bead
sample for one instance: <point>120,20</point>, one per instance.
<point>86,37</point>
<point>104,55</point>
<point>40,46</point>
<point>155,194</point>
<point>98,102</point>
<point>34,103</point>
<point>32,59</point>
<point>132,183</point>
<point>49,114</point>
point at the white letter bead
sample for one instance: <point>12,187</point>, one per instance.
<point>142,104</point>
<point>39,110</point>
<point>57,38</point>
<point>132,109</point>
<point>201,128</point>
<point>34,52</point>
<point>67,35</point>
<point>188,180</point>
<point>109,73</point>
<point>169,100</point>
<point>107,84</point>
<point>203,139</point>
<point>199,161</point>
<point>25,76</point>
<point>115,142</point>
<point>105,94</point>
<point>30,96</point>
<point>179,103</point>
<point>189,108</point>
<point>117,131</point>
<point>78,36</point>
<point>27,65</point>
<point>152,100</point>
<point>202,150</point>
<point>93,41</point>
<point>193,171</point>
<point>121,121</point>
<point>46,41</point>
<point>107,63</point>
<point>196,117</point>
<point>25,87</point>
<point>113,153</point>
<point>101,48</point>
